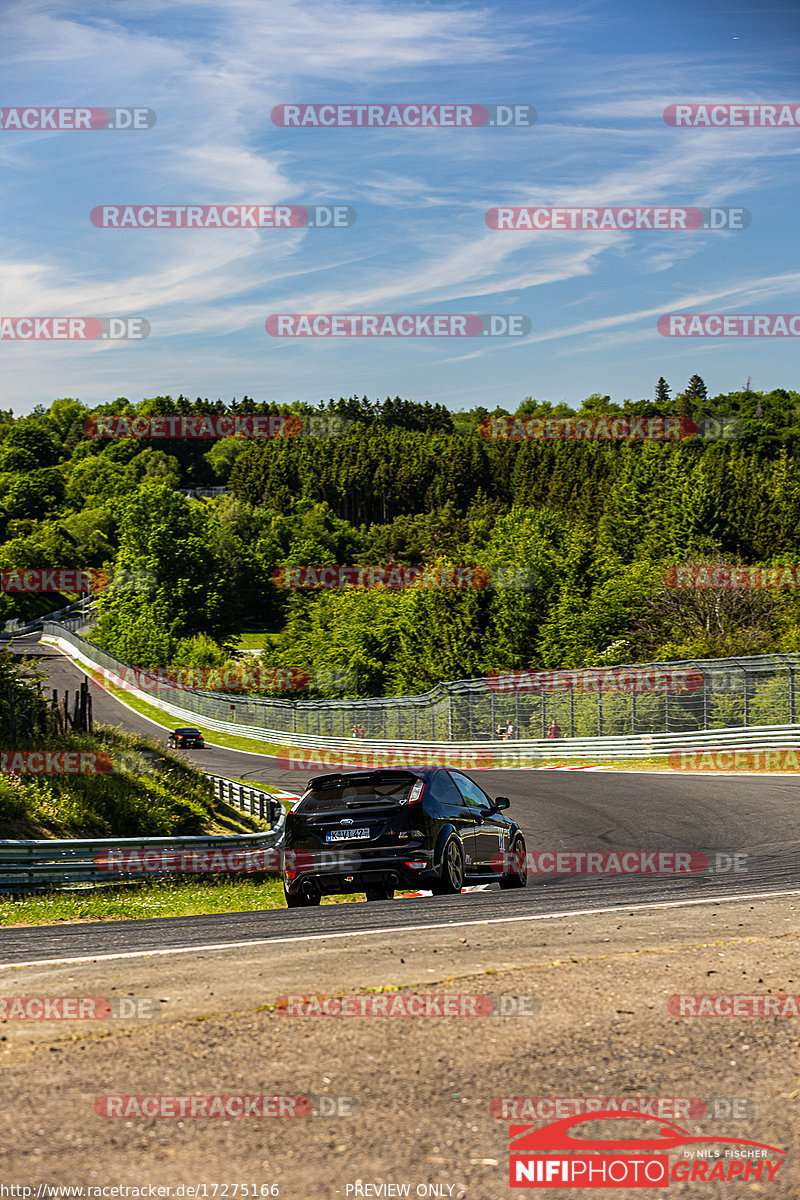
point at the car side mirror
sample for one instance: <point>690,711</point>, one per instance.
<point>502,802</point>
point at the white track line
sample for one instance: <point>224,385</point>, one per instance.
<point>310,937</point>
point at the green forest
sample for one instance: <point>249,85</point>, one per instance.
<point>574,537</point>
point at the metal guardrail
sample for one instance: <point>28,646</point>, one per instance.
<point>30,866</point>
<point>721,694</point>
<point>249,800</point>
<point>518,752</point>
<point>73,617</point>
<point>323,754</point>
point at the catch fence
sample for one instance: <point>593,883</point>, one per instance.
<point>655,698</point>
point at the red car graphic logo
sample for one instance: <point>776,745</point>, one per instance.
<point>556,1136</point>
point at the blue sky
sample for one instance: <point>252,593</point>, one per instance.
<point>599,74</point>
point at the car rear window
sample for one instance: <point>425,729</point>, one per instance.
<point>358,792</point>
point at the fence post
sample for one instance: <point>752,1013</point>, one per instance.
<point>572,712</point>
<point>791,688</point>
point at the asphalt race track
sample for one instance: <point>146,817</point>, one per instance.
<point>558,811</point>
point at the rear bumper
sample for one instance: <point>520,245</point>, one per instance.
<point>341,872</point>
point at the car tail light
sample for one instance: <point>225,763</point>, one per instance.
<point>417,864</point>
<point>415,794</point>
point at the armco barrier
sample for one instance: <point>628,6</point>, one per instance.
<point>73,617</point>
<point>29,866</point>
<point>330,752</point>
<point>655,698</point>
<point>247,799</point>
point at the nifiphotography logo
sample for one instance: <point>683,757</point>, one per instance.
<point>553,1157</point>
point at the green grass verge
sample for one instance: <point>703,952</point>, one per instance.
<point>133,787</point>
<point>152,898</point>
<point>258,639</point>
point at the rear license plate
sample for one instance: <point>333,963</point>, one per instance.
<point>345,835</point>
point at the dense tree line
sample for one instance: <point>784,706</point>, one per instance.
<point>590,528</point>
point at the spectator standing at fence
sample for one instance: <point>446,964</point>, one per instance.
<point>509,732</point>
<point>554,729</point>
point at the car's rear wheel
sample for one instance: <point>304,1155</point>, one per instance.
<point>379,891</point>
<point>308,896</point>
<point>517,876</point>
<point>451,880</point>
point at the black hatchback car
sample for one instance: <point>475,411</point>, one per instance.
<point>373,831</point>
<point>185,739</point>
